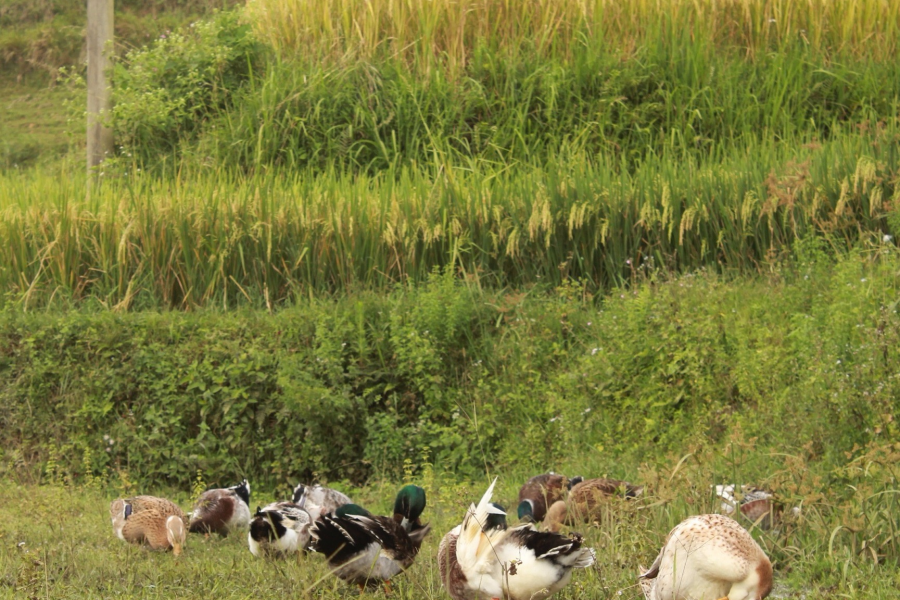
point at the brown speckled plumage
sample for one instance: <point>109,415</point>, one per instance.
<point>586,499</point>
<point>709,556</point>
<point>143,520</point>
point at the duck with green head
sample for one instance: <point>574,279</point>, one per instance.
<point>540,492</point>
<point>366,549</point>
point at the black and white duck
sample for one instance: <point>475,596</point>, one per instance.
<point>365,549</point>
<point>279,529</point>
<point>318,500</point>
<point>520,563</point>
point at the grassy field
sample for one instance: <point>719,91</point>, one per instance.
<point>57,543</point>
<point>34,122</point>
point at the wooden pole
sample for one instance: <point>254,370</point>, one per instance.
<point>99,101</point>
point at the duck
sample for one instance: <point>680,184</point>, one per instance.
<point>518,563</point>
<point>708,556</point>
<point>222,510</point>
<point>279,529</point>
<point>538,493</point>
<point>318,500</point>
<point>148,520</point>
<point>365,549</point>
<point>452,576</point>
<point>585,500</point>
<point>756,504</point>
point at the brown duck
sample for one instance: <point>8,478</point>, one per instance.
<point>154,522</point>
<point>586,499</point>
<point>222,510</point>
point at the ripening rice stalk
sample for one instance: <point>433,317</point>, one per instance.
<point>224,238</point>
<point>427,32</point>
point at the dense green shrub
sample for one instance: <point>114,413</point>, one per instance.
<point>163,93</point>
<point>347,388</point>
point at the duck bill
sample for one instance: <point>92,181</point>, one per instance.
<point>176,549</point>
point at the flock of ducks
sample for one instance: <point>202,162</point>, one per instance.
<point>705,557</point>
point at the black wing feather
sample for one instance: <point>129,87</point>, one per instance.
<point>546,544</point>
<point>340,538</point>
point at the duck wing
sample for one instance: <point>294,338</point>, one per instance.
<point>340,539</point>
<point>541,560</point>
<point>318,500</point>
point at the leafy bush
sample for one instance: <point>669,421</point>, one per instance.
<point>350,388</point>
<point>165,92</point>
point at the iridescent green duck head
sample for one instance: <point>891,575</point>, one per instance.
<point>526,511</point>
<point>409,505</point>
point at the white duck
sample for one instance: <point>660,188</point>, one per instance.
<point>708,557</point>
<point>521,563</point>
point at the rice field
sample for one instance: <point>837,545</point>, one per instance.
<point>223,239</point>
<point>512,143</point>
<point>444,32</point>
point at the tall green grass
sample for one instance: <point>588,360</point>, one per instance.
<point>530,86</point>
<point>219,237</point>
<point>672,98</point>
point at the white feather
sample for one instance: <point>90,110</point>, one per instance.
<point>496,565</point>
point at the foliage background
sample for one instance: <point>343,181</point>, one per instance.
<point>350,387</point>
